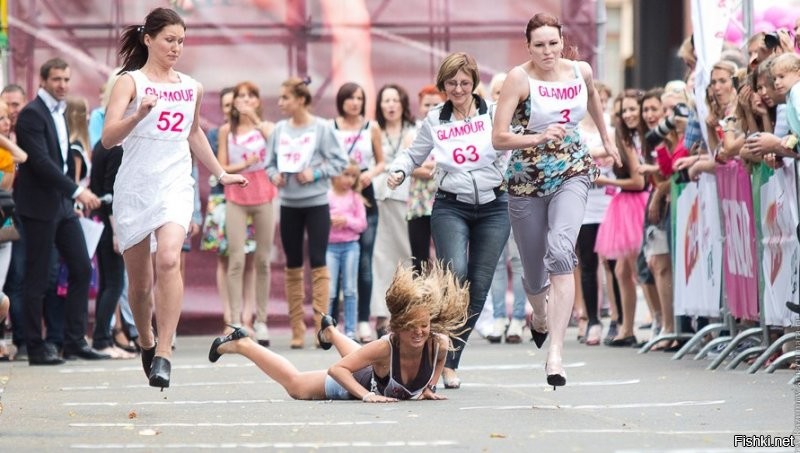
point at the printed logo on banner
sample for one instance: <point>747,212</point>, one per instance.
<point>774,241</point>
<point>691,243</point>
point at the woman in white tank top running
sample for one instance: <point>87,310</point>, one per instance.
<point>548,175</point>
<point>153,112</point>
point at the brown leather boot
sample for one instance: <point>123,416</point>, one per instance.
<point>295,295</point>
<point>320,294</point>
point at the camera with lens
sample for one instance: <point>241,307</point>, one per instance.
<point>656,135</point>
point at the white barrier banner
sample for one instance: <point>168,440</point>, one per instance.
<point>698,249</point>
<point>781,252</point>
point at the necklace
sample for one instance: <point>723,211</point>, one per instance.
<point>395,146</point>
<point>465,115</point>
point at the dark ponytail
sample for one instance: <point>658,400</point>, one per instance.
<point>132,50</point>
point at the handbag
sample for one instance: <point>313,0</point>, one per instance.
<point>8,232</point>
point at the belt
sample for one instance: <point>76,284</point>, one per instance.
<point>443,194</point>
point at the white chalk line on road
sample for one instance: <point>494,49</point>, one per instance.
<point>204,384</point>
<point>523,366</point>
<point>544,384</point>
<point>276,445</point>
<point>598,406</point>
<point>191,384</point>
<point>230,425</point>
<point>111,369</point>
<point>138,368</point>
<point>712,450</point>
<point>654,431</point>
<point>175,403</point>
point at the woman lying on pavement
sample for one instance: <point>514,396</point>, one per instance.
<point>426,312</point>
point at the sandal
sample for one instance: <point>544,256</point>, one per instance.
<point>122,341</point>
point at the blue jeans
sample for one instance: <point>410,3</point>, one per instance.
<point>469,239</point>
<point>342,261</point>
<point>500,284</point>
<point>367,245</point>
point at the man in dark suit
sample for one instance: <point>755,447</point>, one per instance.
<point>45,198</point>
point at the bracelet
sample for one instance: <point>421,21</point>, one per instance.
<point>369,394</point>
<point>222,175</point>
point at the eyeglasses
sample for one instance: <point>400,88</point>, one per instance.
<point>465,85</point>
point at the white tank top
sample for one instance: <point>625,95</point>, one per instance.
<point>357,144</point>
<point>240,147</point>
<point>172,117</point>
<point>561,102</point>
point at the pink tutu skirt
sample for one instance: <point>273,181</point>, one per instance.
<point>621,232</point>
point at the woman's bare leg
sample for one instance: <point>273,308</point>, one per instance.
<point>344,344</point>
<point>301,386</point>
<point>169,285</point>
<point>139,267</point>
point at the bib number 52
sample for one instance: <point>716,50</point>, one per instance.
<point>170,121</point>
<point>461,155</point>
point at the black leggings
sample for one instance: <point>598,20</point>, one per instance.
<point>419,235</point>
<point>295,222</point>
<point>588,262</point>
<point>617,298</point>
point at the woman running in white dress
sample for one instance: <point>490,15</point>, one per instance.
<point>153,112</point>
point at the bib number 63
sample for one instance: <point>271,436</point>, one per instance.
<point>469,153</point>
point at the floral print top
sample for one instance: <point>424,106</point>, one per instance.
<point>539,171</point>
<point>420,198</point>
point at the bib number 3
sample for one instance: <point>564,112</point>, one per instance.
<point>564,116</point>
<point>170,121</point>
<point>461,155</point>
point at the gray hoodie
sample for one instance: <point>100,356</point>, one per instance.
<point>328,160</point>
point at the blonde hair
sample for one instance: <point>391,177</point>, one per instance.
<point>497,83</point>
<point>299,88</point>
<point>76,121</point>
<point>112,79</point>
<point>786,61</point>
<point>436,290</point>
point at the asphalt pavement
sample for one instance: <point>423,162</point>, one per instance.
<point>615,401</point>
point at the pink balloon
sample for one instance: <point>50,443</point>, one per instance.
<point>776,15</point>
<point>733,34</point>
<point>763,26</point>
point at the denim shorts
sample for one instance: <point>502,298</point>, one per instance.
<point>335,390</point>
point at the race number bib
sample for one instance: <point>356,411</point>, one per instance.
<point>294,154</point>
<point>463,146</point>
<point>358,145</point>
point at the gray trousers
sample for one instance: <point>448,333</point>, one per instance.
<point>546,229</point>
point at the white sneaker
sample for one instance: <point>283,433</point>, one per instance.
<point>261,333</point>
<point>514,333</point>
<point>365,334</point>
<point>498,330</point>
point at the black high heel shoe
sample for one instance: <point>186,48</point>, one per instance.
<point>538,337</point>
<point>557,379</point>
<point>237,334</point>
<point>147,359</point>
<point>159,373</point>
<point>325,322</point>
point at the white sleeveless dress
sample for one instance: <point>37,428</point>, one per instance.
<point>154,185</point>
